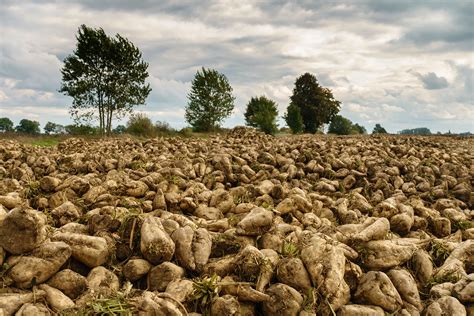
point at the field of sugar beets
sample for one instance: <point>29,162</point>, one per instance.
<point>238,224</point>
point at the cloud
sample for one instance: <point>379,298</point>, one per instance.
<point>356,108</point>
<point>261,46</point>
<point>431,81</point>
<point>392,108</point>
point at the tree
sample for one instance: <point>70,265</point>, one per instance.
<point>81,129</point>
<point>139,124</point>
<point>28,127</point>
<point>416,131</point>
<point>317,104</point>
<point>340,126</point>
<point>359,129</point>
<point>379,129</point>
<point>53,128</point>
<point>293,118</point>
<point>105,76</point>
<point>120,129</point>
<point>163,127</point>
<point>6,125</point>
<point>210,100</point>
<point>261,113</point>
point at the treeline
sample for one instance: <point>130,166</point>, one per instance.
<point>141,125</point>
<point>106,78</point>
<point>415,131</point>
<point>31,127</point>
<point>257,113</point>
<point>138,125</point>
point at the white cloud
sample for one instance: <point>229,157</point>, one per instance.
<point>392,108</point>
<point>357,108</point>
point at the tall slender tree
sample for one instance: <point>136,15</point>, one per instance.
<point>105,76</point>
<point>293,119</point>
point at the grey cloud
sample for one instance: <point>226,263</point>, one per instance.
<point>325,79</point>
<point>448,34</point>
<point>465,74</point>
<point>453,26</point>
<point>431,81</point>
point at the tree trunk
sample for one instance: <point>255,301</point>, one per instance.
<point>108,122</point>
<point>101,107</point>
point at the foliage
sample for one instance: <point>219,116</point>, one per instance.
<point>32,189</point>
<point>293,119</point>
<point>379,129</point>
<point>416,131</point>
<point>358,129</point>
<point>139,124</point>
<point>340,126</point>
<point>439,252</point>
<point>116,305</point>
<point>186,132</point>
<point>262,113</point>
<point>289,250</point>
<point>81,129</point>
<point>462,225</point>
<point>28,127</point>
<point>163,127</point>
<point>205,290</point>
<point>44,142</point>
<point>309,300</point>
<point>210,100</point>
<point>105,76</point>
<point>317,104</point>
<point>285,130</point>
<point>6,125</point>
<point>120,129</point>
<point>53,128</point>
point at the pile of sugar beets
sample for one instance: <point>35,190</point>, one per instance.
<point>238,224</point>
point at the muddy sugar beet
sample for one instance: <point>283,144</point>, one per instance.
<point>238,224</point>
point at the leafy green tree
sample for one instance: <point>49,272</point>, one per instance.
<point>28,127</point>
<point>340,126</point>
<point>293,119</point>
<point>139,124</point>
<point>378,129</point>
<point>49,127</point>
<point>317,104</point>
<point>105,76</point>
<point>261,113</point>
<point>210,100</point>
<point>359,129</point>
<point>120,129</point>
<point>53,128</point>
<point>6,125</point>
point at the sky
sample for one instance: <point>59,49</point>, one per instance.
<point>401,63</point>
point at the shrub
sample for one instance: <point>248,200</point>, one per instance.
<point>262,113</point>
<point>139,124</point>
<point>186,132</point>
<point>294,119</point>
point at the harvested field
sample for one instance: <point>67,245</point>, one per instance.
<point>241,224</point>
